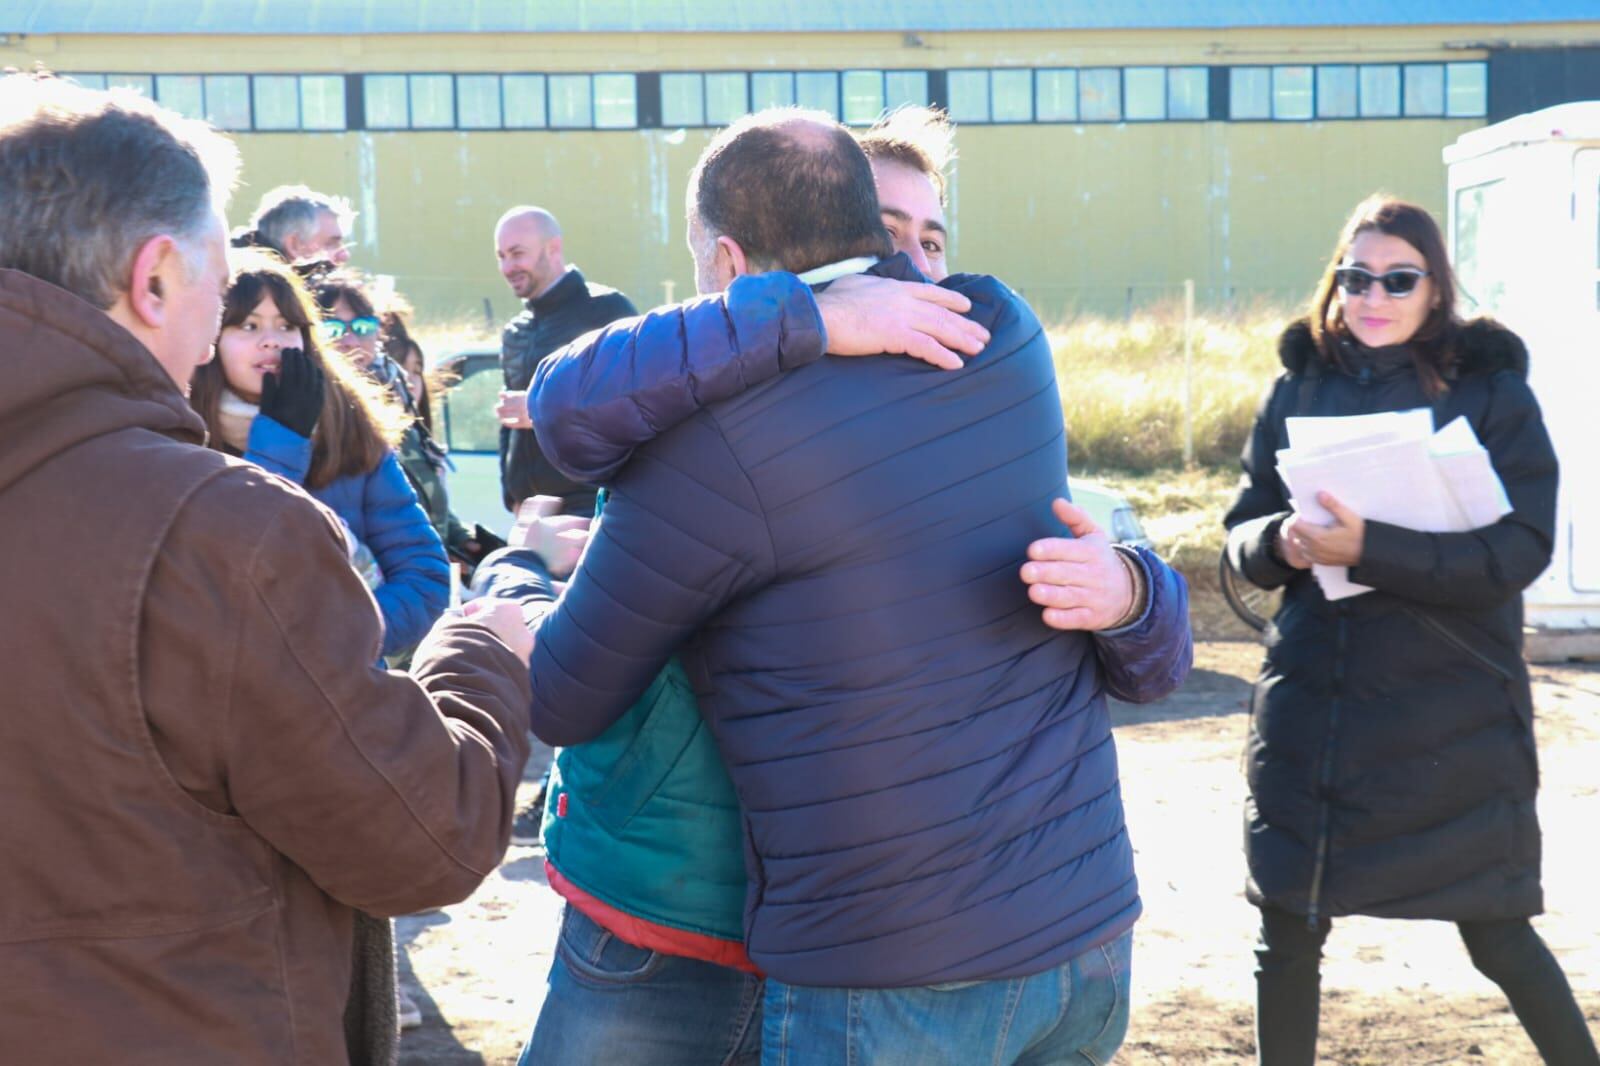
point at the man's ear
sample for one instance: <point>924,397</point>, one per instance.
<point>729,262</point>
<point>552,247</point>
<point>294,247</point>
<point>152,282</point>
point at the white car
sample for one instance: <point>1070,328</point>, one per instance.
<point>465,423</point>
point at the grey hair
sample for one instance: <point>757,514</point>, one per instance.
<point>88,176</point>
<point>293,209</point>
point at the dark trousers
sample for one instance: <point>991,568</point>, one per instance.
<point>1509,953</point>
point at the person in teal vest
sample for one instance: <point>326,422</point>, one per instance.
<point>643,840</point>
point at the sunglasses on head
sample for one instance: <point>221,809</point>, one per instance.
<point>334,328</point>
<point>1398,283</point>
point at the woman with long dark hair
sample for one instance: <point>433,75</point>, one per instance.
<point>1391,762</point>
<point>273,397</point>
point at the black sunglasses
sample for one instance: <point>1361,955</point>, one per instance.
<point>1398,283</point>
<point>334,328</point>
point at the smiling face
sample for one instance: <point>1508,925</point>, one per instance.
<point>530,258</point>
<point>249,350</point>
<point>1374,317</point>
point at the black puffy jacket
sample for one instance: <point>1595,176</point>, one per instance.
<point>571,308</point>
<point>1392,767</point>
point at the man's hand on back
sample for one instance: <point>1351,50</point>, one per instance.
<point>1081,583</point>
<point>866,315</point>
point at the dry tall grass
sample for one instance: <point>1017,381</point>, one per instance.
<point>1122,385</point>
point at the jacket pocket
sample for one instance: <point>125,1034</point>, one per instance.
<point>670,721</point>
<point>1460,644</point>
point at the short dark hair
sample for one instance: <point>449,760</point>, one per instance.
<point>793,197</point>
<point>920,138</point>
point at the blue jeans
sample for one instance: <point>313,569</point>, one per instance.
<point>1075,1013</point>
<point>610,1002</point>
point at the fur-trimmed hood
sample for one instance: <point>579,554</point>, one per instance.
<point>1486,346</point>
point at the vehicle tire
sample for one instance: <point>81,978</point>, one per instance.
<point>1254,606</point>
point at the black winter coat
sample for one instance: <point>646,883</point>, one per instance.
<point>552,320</point>
<point>1391,760</point>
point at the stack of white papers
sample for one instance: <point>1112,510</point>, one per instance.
<point>1391,467</point>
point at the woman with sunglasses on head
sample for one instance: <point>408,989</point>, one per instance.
<point>272,396</point>
<point>1391,762</point>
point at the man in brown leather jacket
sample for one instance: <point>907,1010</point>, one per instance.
<point>202,780</point>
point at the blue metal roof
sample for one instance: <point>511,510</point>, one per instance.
<point>744,16</point>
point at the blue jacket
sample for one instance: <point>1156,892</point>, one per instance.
<point>381,509</point>
<point>926,771</point>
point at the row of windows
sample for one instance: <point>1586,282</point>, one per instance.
<point>676,99</point>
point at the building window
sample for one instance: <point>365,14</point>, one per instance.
<point>969,95</point>
<point>228,101</point>
<point>478,101</point>
<point>524,101</point>
<point>771,89</point>
<point>1380,91</point>
<point>322,102</point>
<point>1100,95</point>
<point>1011,95</point>
<point>616,101</point>
<point>727,98</point>
<point>1144,94</point>
<point>863,96</point>
<point>385,96</point>
<point>143,84</point>
<point>1250,93</point>
<point>1291,93</point>
<point>1057,95</point>
<point>183,93</point>
<point>277,101</point>
<point>433,101</point>
<point>570,104</point>
<point>1424,90</point>
<point>905,87</point>
<point>682,100</point>
<point>818,90</point>
<point>1336,92</point>
<point>88,81</point>
<point>1188,93</point>
<point>1466,89</point>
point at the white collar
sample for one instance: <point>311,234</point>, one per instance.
<point>833,271</point>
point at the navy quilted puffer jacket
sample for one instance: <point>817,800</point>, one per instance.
<point>927,772</point>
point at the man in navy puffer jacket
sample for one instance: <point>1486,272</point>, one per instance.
<point>939,868</point>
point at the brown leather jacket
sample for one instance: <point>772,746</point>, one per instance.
<point>201,777</point>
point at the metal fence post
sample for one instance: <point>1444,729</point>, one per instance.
<point>1188,372</point>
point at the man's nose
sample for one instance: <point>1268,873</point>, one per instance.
<point>919,259</point>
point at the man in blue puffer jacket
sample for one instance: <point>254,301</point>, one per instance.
<point>933,828</point>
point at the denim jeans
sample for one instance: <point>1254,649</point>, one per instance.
<point>1508,952</point>
<point>1075,1013</point>
<point>610,1002</point>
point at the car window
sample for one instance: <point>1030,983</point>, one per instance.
<point>470,424</point>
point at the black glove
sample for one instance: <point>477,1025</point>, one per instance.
<point>293,396</point>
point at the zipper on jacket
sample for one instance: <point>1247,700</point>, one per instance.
<point>1456,641</point>
<point>1325,775</point>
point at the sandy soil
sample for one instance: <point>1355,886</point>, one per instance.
<point>1394,992</point>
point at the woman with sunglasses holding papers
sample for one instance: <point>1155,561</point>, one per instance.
<point>272,396</point>
<point>1391,762</point>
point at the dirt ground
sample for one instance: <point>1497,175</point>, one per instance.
<point>1393,992</point>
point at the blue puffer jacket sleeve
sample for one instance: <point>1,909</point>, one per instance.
<point>605,394</point>
<point>1150,658</point>
<point>416,574</point>
<point>278,449</point>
